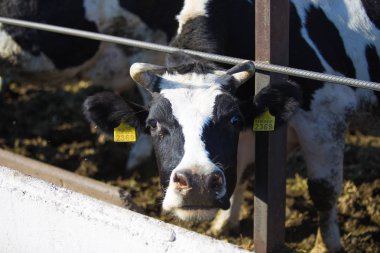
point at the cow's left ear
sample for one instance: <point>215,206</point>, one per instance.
<point>282,99</point>
<point>107,110</point>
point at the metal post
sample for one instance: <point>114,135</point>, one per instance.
<point>271,46</point>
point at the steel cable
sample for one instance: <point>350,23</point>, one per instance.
<point>212,57</point>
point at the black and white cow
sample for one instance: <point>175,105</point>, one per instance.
<point>195,116</point>
<point>28,55</point>
<point>45,57</point>
<point>197,108</point>
<point>194,119</point>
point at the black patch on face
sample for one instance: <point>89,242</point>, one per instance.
<point>168,139</point>
<point>157,14</point>
<point>221,137</point>
<point>327,39</point>
<point>64,51</point>
<point>372,7</point>
<point>302,56</point>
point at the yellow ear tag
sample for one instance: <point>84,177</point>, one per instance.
<point>124,133</point>
<point>264,122</point>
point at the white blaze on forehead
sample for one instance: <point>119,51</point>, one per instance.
<point>192,98</point>
<point>190,10</point>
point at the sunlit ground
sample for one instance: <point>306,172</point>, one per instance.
<point>47,124</point>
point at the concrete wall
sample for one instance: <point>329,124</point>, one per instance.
<point>36,216</point>
<point>67,179</point>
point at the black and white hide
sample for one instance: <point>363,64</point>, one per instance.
<point>45,57</point>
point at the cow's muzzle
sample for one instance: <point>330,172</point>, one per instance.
<point>197,196</point>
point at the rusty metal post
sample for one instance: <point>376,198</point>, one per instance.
<point>271,46</point>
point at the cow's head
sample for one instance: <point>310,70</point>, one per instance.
<point>194,120</point>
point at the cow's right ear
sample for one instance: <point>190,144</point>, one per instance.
<point>107,110</point>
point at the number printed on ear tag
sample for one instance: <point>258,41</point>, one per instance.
<point>124,133</point>
<point>264,122</point>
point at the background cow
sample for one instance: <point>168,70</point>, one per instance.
<point>337,37</point>
<point>32,55</point>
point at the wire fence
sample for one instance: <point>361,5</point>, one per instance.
<point>212,57</point>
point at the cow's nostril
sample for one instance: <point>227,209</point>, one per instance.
<point>181,180</point>
<point>215,181</point>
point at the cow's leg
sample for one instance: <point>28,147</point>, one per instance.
<point>322,142</point>
<point>324,194</point>
<point>228,220</point>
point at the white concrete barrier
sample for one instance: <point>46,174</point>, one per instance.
<point>67,179</point>
<point>36,216</point>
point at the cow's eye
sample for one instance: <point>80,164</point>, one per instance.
<point>152,123</point>
<point>236,120</point>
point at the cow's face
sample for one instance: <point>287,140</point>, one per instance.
<point>194,121</point>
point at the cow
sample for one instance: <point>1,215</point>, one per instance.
<point>198,109</point>
<point>44,57</point>
<point>34,56</point>
<point>195,118</point>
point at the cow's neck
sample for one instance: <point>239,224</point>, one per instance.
<point>197,29</point>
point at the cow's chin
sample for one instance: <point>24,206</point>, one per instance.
<point>195,215</point>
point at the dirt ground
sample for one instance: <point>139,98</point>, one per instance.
<point>47,124</point>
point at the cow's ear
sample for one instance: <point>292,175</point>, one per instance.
<point>282,99</point>
<point>107,110</point>
<point>147,75</point>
